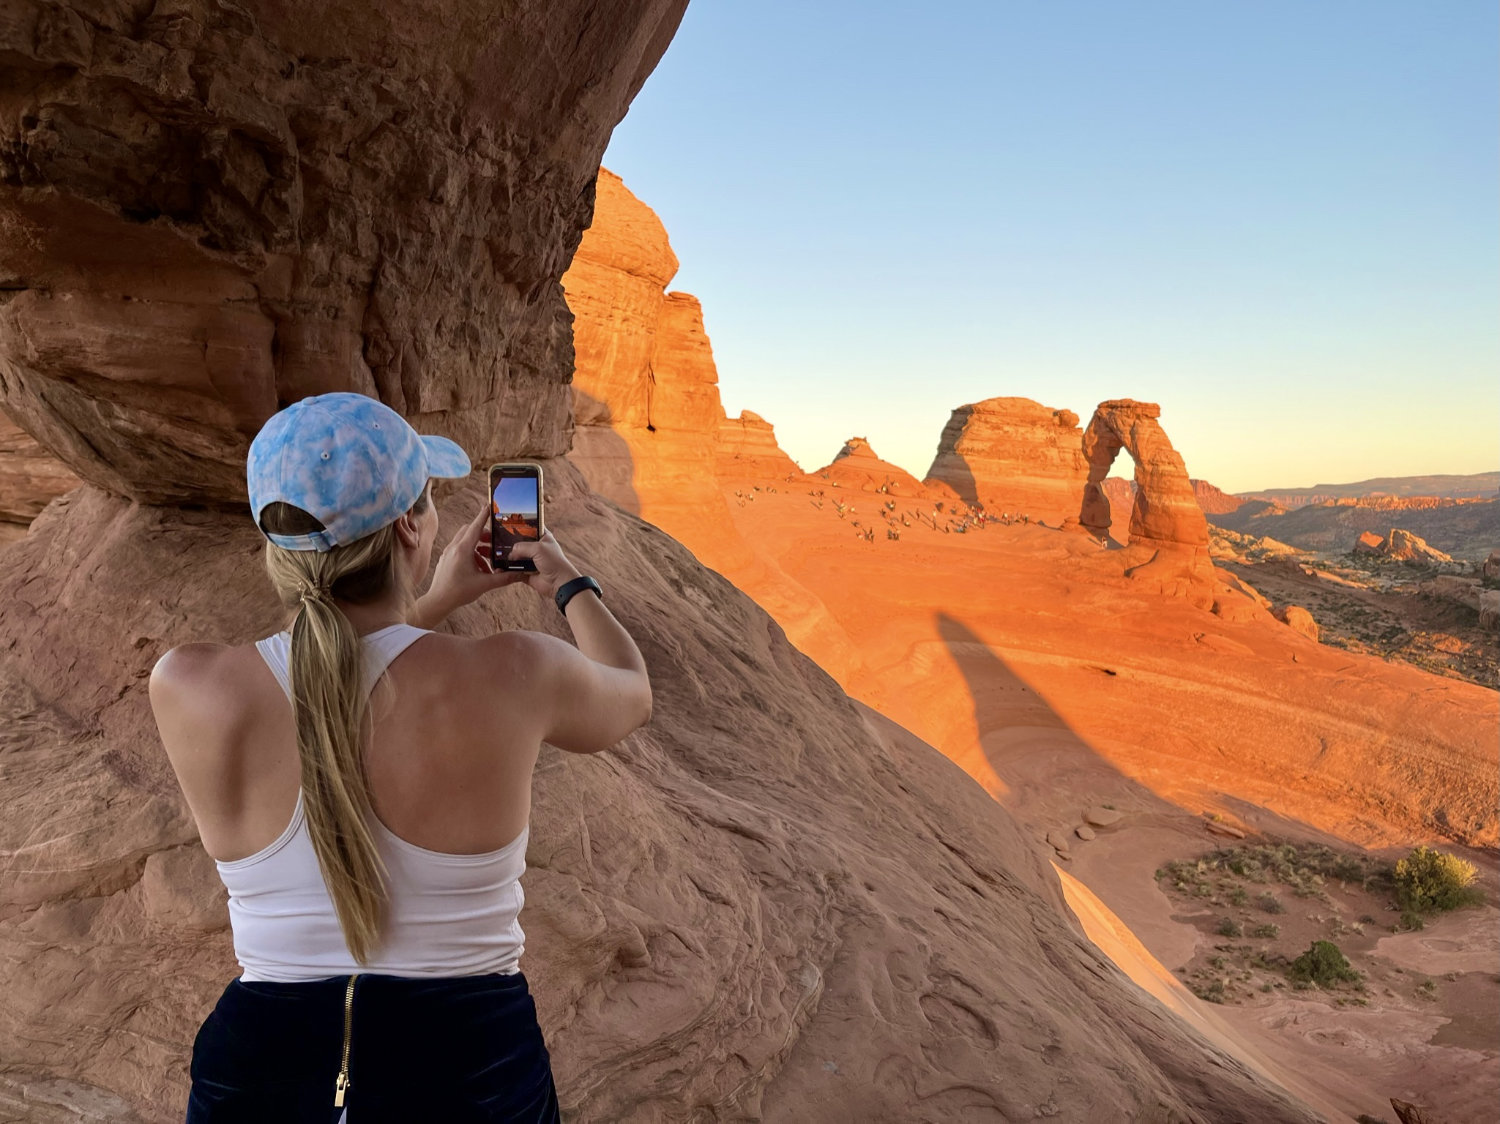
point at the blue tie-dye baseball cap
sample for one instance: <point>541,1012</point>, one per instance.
<point>350,461</point>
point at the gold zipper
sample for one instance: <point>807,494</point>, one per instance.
<point>341,1086</point>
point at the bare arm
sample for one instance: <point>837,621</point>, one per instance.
<point>587,697</point>
<point>599,691</point>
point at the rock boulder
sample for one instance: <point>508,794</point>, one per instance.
<point>1298,619</point>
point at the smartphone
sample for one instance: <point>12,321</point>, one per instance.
<point>515,512</point>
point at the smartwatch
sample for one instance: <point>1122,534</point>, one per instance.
<point>568,590</point>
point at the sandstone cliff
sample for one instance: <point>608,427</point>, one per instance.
<point>210,210</point>
<point>1013,455</point>
<point>1212,500</point>
<point>646,399</point>
<point>747,448</point>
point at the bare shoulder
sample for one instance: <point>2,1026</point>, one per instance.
<point>197,677</point>
<point>520,655</point>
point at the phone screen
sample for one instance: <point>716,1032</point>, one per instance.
<point>515,512</point>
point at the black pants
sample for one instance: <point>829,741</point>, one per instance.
<point>458,1049</point>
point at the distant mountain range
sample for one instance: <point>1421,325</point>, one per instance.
<point>1481,484</point>
<point>1459,515</point>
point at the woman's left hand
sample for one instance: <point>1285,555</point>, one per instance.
<point>463,573</point>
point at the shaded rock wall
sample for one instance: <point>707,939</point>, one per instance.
<point>30,477</point>
<point>1013,455</point>
<point>210,210</point>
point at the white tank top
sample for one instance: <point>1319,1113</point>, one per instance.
<point>447,915</point>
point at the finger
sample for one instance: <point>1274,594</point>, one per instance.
<point>468,530</point>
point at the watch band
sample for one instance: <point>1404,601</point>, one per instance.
<point>569,589</point>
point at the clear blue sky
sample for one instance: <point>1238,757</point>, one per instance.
<point>1276,219</point>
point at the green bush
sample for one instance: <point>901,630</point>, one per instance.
<point>1322,964</point>
<point>1430,881</point>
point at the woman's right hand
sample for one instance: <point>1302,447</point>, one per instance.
<point>552,567</point>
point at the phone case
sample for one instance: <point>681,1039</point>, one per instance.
<point>497,472</point>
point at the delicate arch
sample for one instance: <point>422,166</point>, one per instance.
<point>1165,512</point>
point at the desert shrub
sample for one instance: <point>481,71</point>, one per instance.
<point>1267,932</point>
<point>1229,927</point>
<point>1237,896</point>
<point>1322,964</point>
<point>1214,992</point>
<point>1270,903</point>
<point>1429,881</point>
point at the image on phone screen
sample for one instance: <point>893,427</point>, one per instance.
<point>514,506</point>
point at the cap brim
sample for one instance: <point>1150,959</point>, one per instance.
<point>445,459</point>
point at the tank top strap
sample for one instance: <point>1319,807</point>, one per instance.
<point>379,649</point>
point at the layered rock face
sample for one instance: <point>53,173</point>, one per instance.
<point>1213,500</point>
<point>1165,510</point>
<point>647,409</point>
<point>1013,455</point>
<point>646,398</point>
<point>208,211</point>
<point>747,448</point>
<point>30,477</point>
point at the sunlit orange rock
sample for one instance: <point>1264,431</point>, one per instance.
<point>1013,456</point>
<point>858,467</point>
<point>747,449</point>
<point>1298,619</point>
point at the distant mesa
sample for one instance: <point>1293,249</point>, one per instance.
<point>1399,546</point>
<point>1391,489</point>
<point>747,448</point>
<point>1212,500</point>
<point>1013,455</point>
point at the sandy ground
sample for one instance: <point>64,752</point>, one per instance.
<point>1059,685</point>
<point>1439,1048</point>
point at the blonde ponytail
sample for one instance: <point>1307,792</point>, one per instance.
<point>329,706</point>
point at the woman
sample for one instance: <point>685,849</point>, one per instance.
<point>364,787</point>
